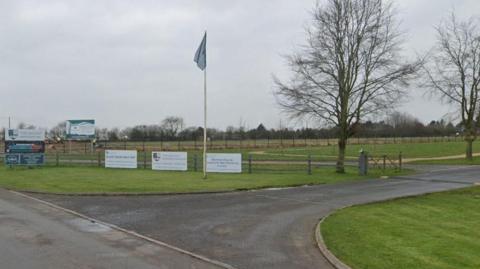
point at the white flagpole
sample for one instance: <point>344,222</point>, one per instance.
<point>205,123</point>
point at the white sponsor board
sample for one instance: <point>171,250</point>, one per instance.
<point>169,161</point>
<point>224,163</point>
<point>24,135</point>
<point>120,158</point>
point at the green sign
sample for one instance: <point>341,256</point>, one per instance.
<point>80,129</point>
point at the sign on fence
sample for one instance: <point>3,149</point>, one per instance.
<point>120,158</point>
<point>24,135</point>
<point>29,159</point>
<point>80,129</point>
<point>24,147</point>
<point>224,163</point>
<point>169,161</point>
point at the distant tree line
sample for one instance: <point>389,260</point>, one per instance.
<point>172,129</point>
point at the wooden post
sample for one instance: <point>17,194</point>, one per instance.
<point>195,159</point>
<point>309,162</point>
<point>144,159</point>
<point>400,161</point>
<point>384,162</point>
<point>249,163</point>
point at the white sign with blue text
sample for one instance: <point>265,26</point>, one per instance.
<point>224,162</point>
<point>169,161</point>
<point>121,159</point>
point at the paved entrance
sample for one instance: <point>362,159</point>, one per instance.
<point>256,229</point>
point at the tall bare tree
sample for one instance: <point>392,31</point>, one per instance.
<point>172,125</point>
<point>454,72</point>
<point>350,67</point>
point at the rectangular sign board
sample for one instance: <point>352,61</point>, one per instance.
<point>121,159</point>
<point>24,135</point>
<point>80,129</point>
<point>224,162</point>
<point>169,161</point>
<point>28,159</point>
<point>24,147</point>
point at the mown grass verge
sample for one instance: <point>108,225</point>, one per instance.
<point>100,180</point>
<point>431,231</point>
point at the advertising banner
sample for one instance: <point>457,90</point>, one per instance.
<point>28,159</point>
<point>24,135</point>
<point>224,162</point>
<point>121,159</point>
<point>169,161</point>
<point>24,147</point>
<point>80,129</point>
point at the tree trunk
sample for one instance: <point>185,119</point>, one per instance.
<point>342,145</point>
<point>469,152</point>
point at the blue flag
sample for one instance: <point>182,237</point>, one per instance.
<point>201,54</point>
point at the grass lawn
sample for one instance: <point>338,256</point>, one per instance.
<point>433,231</point>
<point>318,153</point>
<point>462,161</point>
<point>409,150</point>
<point>101,180</point>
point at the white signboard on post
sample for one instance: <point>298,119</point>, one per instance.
<point>224,162</point>
<point>169,161</point>
<point>121,159</point>
<point>24,135</point>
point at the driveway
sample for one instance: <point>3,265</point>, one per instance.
<point>35,235</point>
<point>256,229</point>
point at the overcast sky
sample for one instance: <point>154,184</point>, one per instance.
<point>126,63</point>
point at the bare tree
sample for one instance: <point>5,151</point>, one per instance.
<point>58,132</point>
<point>398,119</point>
<point>350,67</point>
<point>454,72</point>
<point>172,125</point>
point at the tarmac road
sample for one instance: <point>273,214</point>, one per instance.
<point>257,229</point>
<point>36,236</point>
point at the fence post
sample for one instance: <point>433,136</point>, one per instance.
<point>144,159</point>
<point>57,158</point>
<point>384,162</point>
<point>400,161</point>
<point>99,159</point>
<point>249,163</point>
<point>195,163</point>
<point>309,162</point>
<point>363,163</point>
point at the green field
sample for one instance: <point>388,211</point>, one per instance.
<point>317,153</point>
<point>433,231</point>
<point>101,180</point>
<point>461,161</point>
<point>409,150</point>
